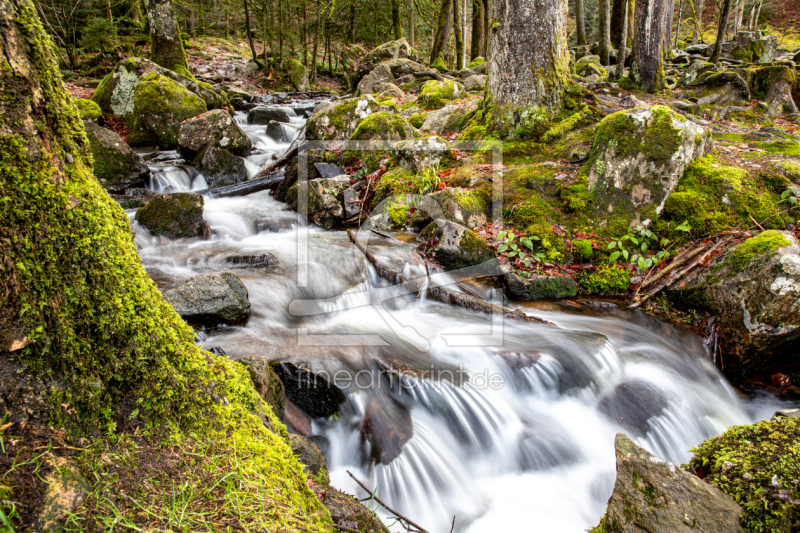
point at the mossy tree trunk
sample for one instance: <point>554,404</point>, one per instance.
<point>580,22</point>
<point>411,24</point>
<point>477,29</point>
<point>488,9</point>
<point>697,32</point>
<point>648,44</point>
<point>397,23</point>
<point>723,25</point>
<point>166,48</point>
<point>458,33</point>
<point>622,53</point>
<point>604,31</point>
<point>529,61</point>
<point>442,30</point>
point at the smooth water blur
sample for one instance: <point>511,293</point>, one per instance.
<point>536,448</point>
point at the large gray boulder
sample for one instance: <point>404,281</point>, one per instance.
<point>324,199</point>
<point>220,168</point>
<point>437,120</point>
<point>378,77</point>
<point>754,47</point>
<point>214,128</point>
<point>753,292</point>
<point>458,205</point>
<point>338,120</point>
<point>264,114</point>
<point>175,216</point>
<point>419,154</point>
<point>399,49</point>
<point>210,299</point>
<point>637,158</point>
<point>116,166</point>
<point>652,495</point>
<point>455,246</point>
<point>475,82</point>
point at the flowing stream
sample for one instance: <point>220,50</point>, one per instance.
<point>511,424</point>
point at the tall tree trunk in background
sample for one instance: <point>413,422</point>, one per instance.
<point>616,21</point>
<point>622,51</point>
<point>397,23</point>
<point>411,24</point>
<point>604,31</point>
<point>280,31</point>
<point>109,16</point>
<point>191,22</point>
<point>304,33</point>
<point>488,10</point>
<point>477,29</point>
<point>458,32</point>
<point>723,24</point>
<point>580,22</point>
<point>529,61</point>
<point>678,28</point>
<point>442,30</point>
<point>313,75</point>
<point>631,21</point>
<point>166,48</point>
<point>352,22</point>
<point>697,35</point>
<point>758,14</point>
<point>250,35</point>
<point>647,68</point>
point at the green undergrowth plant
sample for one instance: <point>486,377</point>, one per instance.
<point>641,247</point>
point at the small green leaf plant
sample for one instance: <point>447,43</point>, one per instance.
<point>641,247</point>
<point>523,250</point>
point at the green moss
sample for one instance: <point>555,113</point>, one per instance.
<point>88,109</point>
<point>297,73</point>
<point>476,62</point>
<point>160,105</point>
<point>436,94</point>
<point>383,126</point>
<point>582,249</point>
<point>397,181</point>
<point>767,241</point>
<point>417,119</point>
<point>783,148</point>
<point>791,170</point>
<point>439,65</point>
<point>607,278</point>
<point>745,461</point>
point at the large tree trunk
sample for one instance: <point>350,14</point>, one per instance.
<point>529,61</point>
<point>488,9</point>
<point>580,22</point>
<point>604,31</point>
<point>622,52</point>
<point>411,24</point>
<point>442,29</point>
<point>648,43</point>
<point>723,24</point>
<point>166,48</point>
<point>477,29</point>
<point>397,23</point>
<point>616,21</point>
<point>458,32</point>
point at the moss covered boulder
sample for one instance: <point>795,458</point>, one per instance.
<point>384,127</point>
<point>652,495</point>
<point>89,110</point>
<point>437,94</point>
<point>418,154</point>
<point>175,215</point>
<point>116,166</point>
<point>590,66</point>
<point>538,287</point>
<point>338,120</point>
<point>115,94</point>
<point>461,206</point>
<point>266,382</point>
<point>399,49</point>
<point>322,200</point>
<point>754,47</point>
<point>776,84</point>
<point>221,168</point>
<point>160,105</point>
<point>753,291</point>
<point>215,128</point>
<point>636,161</point>
<point>455,246</point>
<point>298,75</point>
<point>210,299</point>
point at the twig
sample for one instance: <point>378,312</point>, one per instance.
<point>757,224</point>
<point>454,524</point>
<point>398,515</point>
<point>679,259</point>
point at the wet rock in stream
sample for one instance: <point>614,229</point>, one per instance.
<point>311,392</point>
<point>210,299</point>
<point>387,427</point>
<point>175,216</point>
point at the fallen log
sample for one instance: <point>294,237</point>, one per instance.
<point>244,188</point>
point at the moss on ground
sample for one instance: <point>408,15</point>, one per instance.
<point>88,109</point>
<point>759,467</point>
<point>436,94</point>
<point>763,243</point>
<point>608,278</point>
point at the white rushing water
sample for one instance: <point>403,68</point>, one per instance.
<point>536,448</point>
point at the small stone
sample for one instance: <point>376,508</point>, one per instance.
<point>66,490</point>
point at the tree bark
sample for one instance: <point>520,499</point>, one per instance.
<point>458,32</point>
<point>622,52</point>
<point>442,29</point>
<point>697,35</point>
<point>723,24</point>
<point>411,24</point>
<point>604,31</point>
<point>580,22</point>
<point>529,61</point>
<point>397,23</point>
<point>758,14</point>
<point>166,48</point>
<point>250,35</point>
<point>616,22</point>
<point>647,68</point>
<point>477,29</point>
<point>678,28</point>
<point>488,9</point>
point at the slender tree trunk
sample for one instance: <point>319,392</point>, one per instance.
<point>529,61</point>
<point>647,68</point>
<point>604,31</point>
<point>488,11</point>
<point>723,24</point>
<point>477,29</point>
<point>758,14</point>
<point>631,21</point>
<point>109,16</point>
<point>678,29</point>
<point>616,22</point>
<point>458,33</point>
<point>304,33</point>
<point>397,22</point>
<point>580,22</point>
<point>411,24</point>
<point>256,60</point>
<point>442,30</point>
<point>166,48</point>
<point>623,44</point>
<point>313,77</point>
<point>697,36</point>
<point>280,31</point>
<point>353,22</point>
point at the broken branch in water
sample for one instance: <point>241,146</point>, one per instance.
<point>397,515</point>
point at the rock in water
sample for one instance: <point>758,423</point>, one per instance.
<point>267,383</point>
<point>652,495</point>
<point>66,490</point>
<point>347,511</point>
<point>116,166</point>
<point>387,427</point>
<point>325,198</point>
<point>310,456</point>
<point>312,393</point>
<point>175,215</point>
<point>539,287</point>
<point>215,128</point>
<point>220,168</point>
<point>637,159</point>
<point>210,299</point>
<point>276,132</point>
<point>160,105</point>
<point>752,290</point>
<point>263,115</point>
<point>455,246</point>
